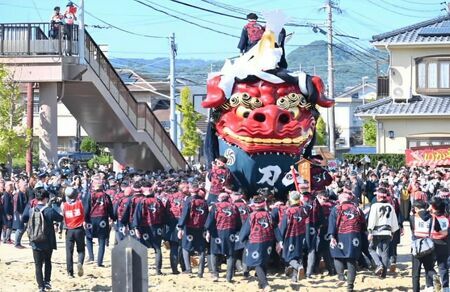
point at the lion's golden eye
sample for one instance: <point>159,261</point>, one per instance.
<point>245,96</point>
<point>243,112</point>
<point>283,103</point>
<point>295,112</point>
<point>255,103</point>
<point>234,100</point>
<point>293,96</point>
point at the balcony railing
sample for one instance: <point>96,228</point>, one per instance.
<point>38,39</point>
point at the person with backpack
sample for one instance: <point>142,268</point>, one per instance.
<point>191,228</point>
<point>345,224</point>
<point>74,214</point>
<point>293,229</point>
<point>251,33</point>
<point>261,234</point>
<point>174,207</point>
<point>421,228</point>
<point>148,223</point>
<point>381,226</point>
<point>42,235</point>
<point>222,224</point>
<point>98,213</point>
<point>119,210</point>
<point>20,201</point>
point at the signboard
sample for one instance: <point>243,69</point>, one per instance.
<point>428,156</point>
<point>304,170</point>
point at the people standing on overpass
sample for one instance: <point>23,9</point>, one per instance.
<point>56,22</point>
<point>70,18</point>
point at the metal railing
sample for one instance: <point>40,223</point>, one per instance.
<point>139,113</point>
<point>38,39</point>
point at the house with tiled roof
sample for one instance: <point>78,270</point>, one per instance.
<point>417,111</point>
<point>346,103</point>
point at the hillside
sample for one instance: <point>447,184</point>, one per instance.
<point>349,69</point>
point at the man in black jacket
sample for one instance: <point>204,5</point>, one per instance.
<point>42,251</point>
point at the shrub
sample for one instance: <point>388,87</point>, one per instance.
<point>103,159</point>
<point>392,160</point>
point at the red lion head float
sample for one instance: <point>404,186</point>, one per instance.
<point>260,116</point>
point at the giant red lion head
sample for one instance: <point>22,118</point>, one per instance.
<point>260,116</point>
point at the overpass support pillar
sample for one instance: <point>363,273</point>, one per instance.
<point>48,119</point>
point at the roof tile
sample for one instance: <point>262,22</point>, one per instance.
<point>416,105</point>
<point>410,34</point>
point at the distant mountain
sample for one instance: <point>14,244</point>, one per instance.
<point>349,69</point>
<point>158,69</point>
<point>350,66</point>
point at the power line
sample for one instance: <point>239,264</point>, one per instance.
<point>184,14</point>
<point>421,3</point>
<point>393,11</point>
<point>408,9</point>
<point>208,10</point>
<point>187,21</point>
<point>243,10</point>
<point>124,30</point>
<point>355,56</point>
<point>37,10</point>
<point>364,50</point>
<point>233,16</point>
<point>165,53</point>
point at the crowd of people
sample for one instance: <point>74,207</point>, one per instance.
<point>355,223</point>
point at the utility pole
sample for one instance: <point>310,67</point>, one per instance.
<point>81,37</point>
<point>29,155</point>
<point>173,101</point>
<point>330,5</point>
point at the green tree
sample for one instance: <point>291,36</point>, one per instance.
<point>190,138</point>
<point>89,145</point>
<point>14,137</point>
<point>321,132</point>
<point>370,132</point>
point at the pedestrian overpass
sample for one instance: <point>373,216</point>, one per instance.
<point>92,91</point>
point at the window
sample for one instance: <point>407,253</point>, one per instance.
<point>433,75</point>
<point>444,80</point>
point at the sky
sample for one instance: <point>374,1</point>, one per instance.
<point>358,18</point>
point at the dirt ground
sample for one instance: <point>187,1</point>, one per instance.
<point>17,274</point>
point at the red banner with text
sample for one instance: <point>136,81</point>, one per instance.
<point>428,156</point>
